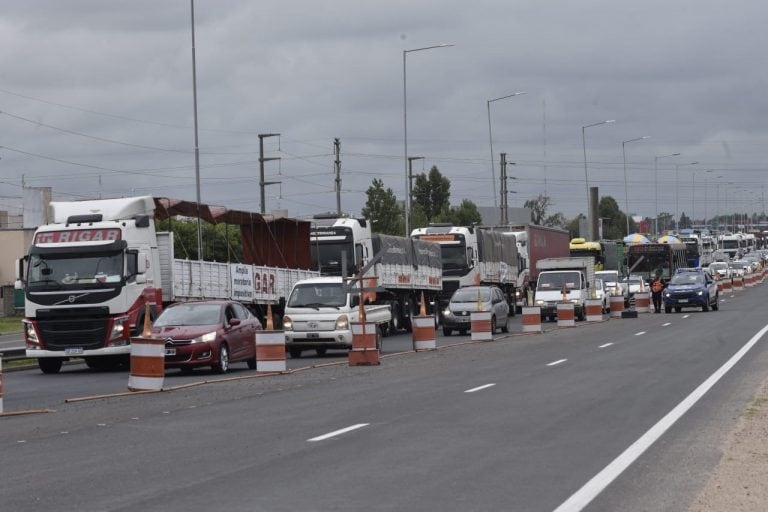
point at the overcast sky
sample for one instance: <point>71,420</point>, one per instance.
<point>96,99</point>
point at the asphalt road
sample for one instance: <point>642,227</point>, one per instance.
<point>522,423</point>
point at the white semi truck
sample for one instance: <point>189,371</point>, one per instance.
<point>89,275</point>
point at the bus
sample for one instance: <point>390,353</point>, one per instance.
<point>649,259</point>
<point>580,247</point>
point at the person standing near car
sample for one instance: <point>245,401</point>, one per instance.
<point>657,286</point>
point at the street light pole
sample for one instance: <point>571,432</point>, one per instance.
<point>410,175</point>
<point>590,230</point>
<point>656,186</point>
<point>677,194</point>
<point>405,131</point>
<point>626,191</point>
<point>490,138</point>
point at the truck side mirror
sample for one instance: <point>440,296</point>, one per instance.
<point>142,262</point>
<point>20,271</point>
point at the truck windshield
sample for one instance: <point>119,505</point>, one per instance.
<point>454,257</point>
<point>317,295</point>
<point>730,244</point>
<point>327,257</point>
<point>75,270</point>
<point>555,280</point>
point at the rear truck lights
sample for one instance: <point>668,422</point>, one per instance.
<point>287,323</point>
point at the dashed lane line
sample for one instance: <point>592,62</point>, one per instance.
<point>485,386</point>
<point>555,363</point>
<point>606,345</point>
<point>666,324</point>
<point>639,333</point>
<point>336,433</point>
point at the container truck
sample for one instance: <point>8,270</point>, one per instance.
<point>399,272</point>
<point>89,275</point>
<point>570,279</point>
<point>473,256</point>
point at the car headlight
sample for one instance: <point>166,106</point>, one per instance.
<point>342,323</point>
<point>700,293</point>
<point>667,294</point>
<point>30,332</point>
<point>287,323</point>
<point>205,338</point>
<point>118,327</point>
<point>447,312</point>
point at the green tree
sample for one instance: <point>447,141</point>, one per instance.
<point>432,193</point>
<point>538,207</point>
<point>382,210</point>
<point>465,214</point>
<point>556,220</point>
<point>614,220</point>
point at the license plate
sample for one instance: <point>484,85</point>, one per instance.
<point>313,335</point>
<point>682,300</point>
<point>462,319</point>
<point>74,351</point>
<point>170,351</point>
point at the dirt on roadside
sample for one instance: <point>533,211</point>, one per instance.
<point>740,480</point>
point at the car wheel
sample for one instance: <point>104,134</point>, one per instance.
<point>251,363</point>
<point>505,327</point>
<point>667,309</point>
<point>295,352</point>
<point>223,365</point>
<point>320,351</point>
<point>493,324</point>
<point>447,331</point>
<point>705,306</point>
<point>462,332</point>
<point>677,310</point>
<point>716,305</point>
<point>49,364</point>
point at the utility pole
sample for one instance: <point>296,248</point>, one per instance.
<point>337,150</point>
<point>262,183</point>
<point>503,188</point>
<point>410,180</point>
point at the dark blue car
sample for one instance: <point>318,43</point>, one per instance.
<point>691,288</point>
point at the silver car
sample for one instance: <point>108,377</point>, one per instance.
<point>464,301</point>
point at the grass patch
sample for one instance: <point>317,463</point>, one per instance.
<point>10,324</point>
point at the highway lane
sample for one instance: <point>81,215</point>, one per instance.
<point>528,435</point>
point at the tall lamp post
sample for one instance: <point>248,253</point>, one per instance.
<point>405,131</point>
<point>590,230</point>
<point>490,137</point>
<point>656,187</point>
<point>626,190</point>
<point>693,197</point>
<point>677,194</point>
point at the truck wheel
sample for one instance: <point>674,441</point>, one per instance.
<point>394,324</point>
<point>320,351</point>
<point>49,364</point>
<point>447,331</point>
<point>295,353</point>
<point>378,338</point>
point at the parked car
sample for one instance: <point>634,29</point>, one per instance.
<point>691,287</point>
<point>211,333</point>
<point>721,269</point>
<point>464,301</point>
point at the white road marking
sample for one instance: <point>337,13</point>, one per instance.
<point>479,388</point>
<point>605,345</point>
<point>559,361</point>
<point>639,333</point>
<point>686,316</point>
<point>666,324</point>
<point>338,432</point>
<point>603,479</point>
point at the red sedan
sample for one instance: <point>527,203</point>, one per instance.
<point>211,333</point>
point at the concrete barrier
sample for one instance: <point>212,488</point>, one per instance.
<point>481,326</point>
<point>365,350</point>
<point>738,283</point>
<point>565,314</point>
<point>531,319</point>
<point>594,309</point>
<point>270,351</point>
<point>424,333</point>
<point>147,364</point>
<point>617,305</point>
<point>643,302</point>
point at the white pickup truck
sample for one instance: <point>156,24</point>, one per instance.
<point>319,312</point>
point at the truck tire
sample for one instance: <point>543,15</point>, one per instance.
<point>49,364</point>
<point>295,353</point>
<point>394,324</point>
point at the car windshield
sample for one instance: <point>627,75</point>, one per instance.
<point>687,279</point>
<point>318,294</point>
<point>471,294</point>
<point>190,314</point>
<point>718,266</point>
<point>738,264</point>
<point>556,280</point>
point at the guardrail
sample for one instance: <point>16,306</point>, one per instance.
<point>11,354</point>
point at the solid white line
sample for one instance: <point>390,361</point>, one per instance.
<point>666,324</point>
<point>479,388</point>
<point>559,361</point>
<point>338,432</point>
<point>639,333</point>
<point>603,479</point>
<point>606,345</point>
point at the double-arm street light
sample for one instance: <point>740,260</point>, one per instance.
<point>626,191</point>
<point>490,137</point>
<point>677,193</point>
<point>590,220</point>
<point>405,132</point>
<point>656,186</point>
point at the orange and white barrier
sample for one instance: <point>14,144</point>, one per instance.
<point>738,283</point>
<point>424,333</point>
<point>565,315</point>
<point>594,309</point>
<point>365,350</point>
<point>480,329</point>
<point>727,287</point>
<point>531,319</point>
<point>643,302</point>
<point>270,351</point>
<point>147,364</point>
<point>617,305</point>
